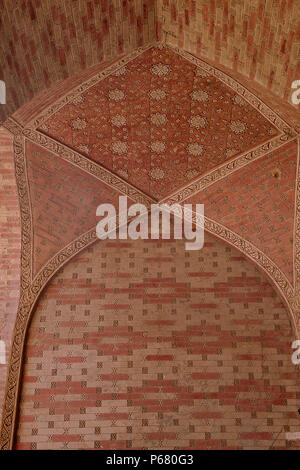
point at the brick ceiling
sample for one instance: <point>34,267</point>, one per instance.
<point>64,200</point>
<point>258,38</point>
<point>117,115</point>
<point>258,205</point>
<point>159,122</point>
<point>43,43</point>
<point>160,125</point>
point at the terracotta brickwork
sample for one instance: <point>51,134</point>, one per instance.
<point>10,250</point>
<point>45,42</point>
<point>259,39</point>
<point>285,109</point>
<point>159,122</point>
<point>44,99</point>
<point>258,203</point>
<point>145,345</point>
<point>64,200</point>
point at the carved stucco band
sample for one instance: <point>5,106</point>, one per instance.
<point>89,166</point>
<point>28,299</point>
<point>237,87</point>
<point>258,104</point>
<point>278,278</point>
<point>227,169</point>
<point>97,170</point>
<point>287,133</point>
<point>71,95</point>
<point>296,300</point>
<point>30,290</point>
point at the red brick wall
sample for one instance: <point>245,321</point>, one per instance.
<point>10,249</point>
<point>64,199</point>
<point>259,39</point>
<point>42,43</point>
<point>145,345</point>
<point>258,203</point>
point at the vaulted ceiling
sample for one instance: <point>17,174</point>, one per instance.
<point>162,125</point>
<point>153,100</point>
<point>43,43</point>
<point>258,38</point>
<point>159,122</point>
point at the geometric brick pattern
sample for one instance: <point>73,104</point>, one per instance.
<point>258,203</point>
<point>43,43</point>
<point>64,201</point>
<point>10,250</point>
<point>159,122</point>
<point>144,345</point>
<point>71,30</point>
<point>258,39</point>
<point>45,217</point>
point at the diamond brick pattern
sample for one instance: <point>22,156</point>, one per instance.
<point>143,345</point>
<point>10,250</point>
<point>159,122</point>
<point>258,203</point>
<point>64,201</point>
